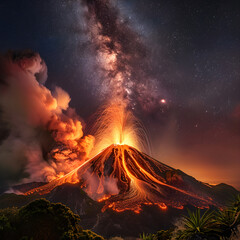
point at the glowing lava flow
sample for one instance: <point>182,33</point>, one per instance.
<point>125,179</point>
<point>121,175</point>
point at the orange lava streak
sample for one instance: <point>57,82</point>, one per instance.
<point>104,198</point>
<point>126,179</point>
<point>162,183</point>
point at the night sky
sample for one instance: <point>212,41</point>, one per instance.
<point>193,48</point>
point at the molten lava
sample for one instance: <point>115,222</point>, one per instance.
<point>125,179</point>
<point>117,125</point>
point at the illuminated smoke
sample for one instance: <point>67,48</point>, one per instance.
<point>43,135</point>
<point>122,58</point>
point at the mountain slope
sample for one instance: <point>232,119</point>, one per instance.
<point>124,178</point>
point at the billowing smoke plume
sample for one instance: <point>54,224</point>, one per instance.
<point>41,136</point>
<point>123,60</point>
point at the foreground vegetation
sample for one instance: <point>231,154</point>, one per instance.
<point>210,225</point>
<point>42,220</point>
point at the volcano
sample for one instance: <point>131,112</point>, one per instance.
<point>124,178</point>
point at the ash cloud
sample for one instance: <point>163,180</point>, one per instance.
<point>41,136</point>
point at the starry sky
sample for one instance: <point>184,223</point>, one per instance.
<point>193,48</point>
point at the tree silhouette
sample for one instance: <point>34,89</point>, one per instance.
<point>42,220</point>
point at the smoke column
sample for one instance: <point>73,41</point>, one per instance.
<point>42,137</point>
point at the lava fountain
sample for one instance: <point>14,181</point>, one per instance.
<point>117,125</point>
<point>122,176</point>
